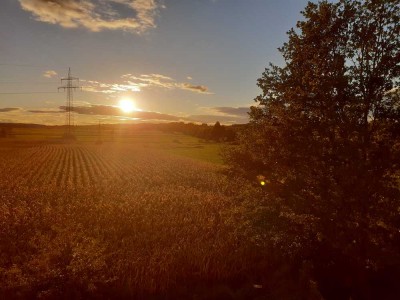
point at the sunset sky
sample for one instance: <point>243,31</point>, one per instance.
<point>176,60</point>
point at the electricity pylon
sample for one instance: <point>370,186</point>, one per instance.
<point>70,87</point>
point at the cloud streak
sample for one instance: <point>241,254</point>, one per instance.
<point>108,110</point>
<point>90,114</point>
<point>46,111</point>
<point>133,83</point>
<point>50,74</point>
<point>96,15</point>
<point>8,109</point>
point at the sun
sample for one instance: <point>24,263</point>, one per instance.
<point>127,105</point>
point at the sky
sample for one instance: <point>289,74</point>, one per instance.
<point>175,60</point>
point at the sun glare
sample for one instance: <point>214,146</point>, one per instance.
<point>127,105</point>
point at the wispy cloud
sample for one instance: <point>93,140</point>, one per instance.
<point>137,83</point>
<point>110,88</point>
<point>96,15</point>
<point>158,80</point>
<point>50,74</point>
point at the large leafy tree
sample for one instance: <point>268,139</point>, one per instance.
<point>324,138</point>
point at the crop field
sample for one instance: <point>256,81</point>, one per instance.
<point>87,165</point>
<point>127,219</point>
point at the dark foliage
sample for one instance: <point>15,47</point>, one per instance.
<point>217,132</point>
<point>324,140</point>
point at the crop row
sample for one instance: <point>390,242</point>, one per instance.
<point>84,165</point>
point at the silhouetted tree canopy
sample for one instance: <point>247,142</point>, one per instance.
<point>324,138</point>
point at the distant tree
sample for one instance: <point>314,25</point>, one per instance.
<point>217,132</point>
<point>325,139</point>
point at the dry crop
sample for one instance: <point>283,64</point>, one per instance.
<point>86,220</point>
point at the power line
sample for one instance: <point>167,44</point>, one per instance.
<point>69,87</point>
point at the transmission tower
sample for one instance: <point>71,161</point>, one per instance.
<point>69,86</point>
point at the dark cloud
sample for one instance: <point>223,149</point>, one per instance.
<point>46,111</point>
<point>106,110</point>
<point>227,115</point>
<point>7,109</point>
<point>194,88</point>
